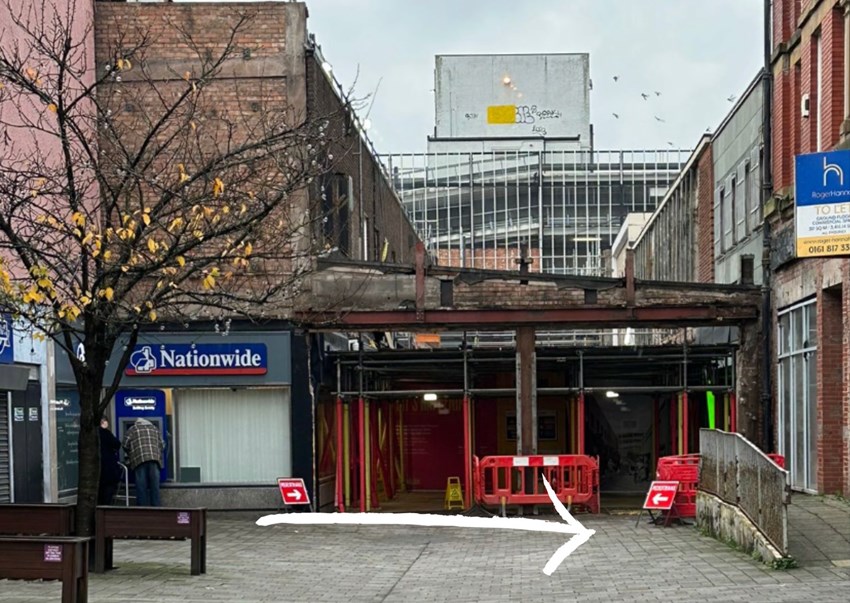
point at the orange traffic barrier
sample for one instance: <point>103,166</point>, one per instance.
<point>517,480</point>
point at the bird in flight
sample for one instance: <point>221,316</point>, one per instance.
<point>644,95</point>
<point>658,119</point>
<point>615,115</point>
<point>731,97</point>
<point>616,77</point>
<point>669,143</point>
<point>657,93</point>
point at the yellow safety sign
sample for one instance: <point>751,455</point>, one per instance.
<point>454,495</point>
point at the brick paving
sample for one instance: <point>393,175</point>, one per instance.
<point>819,530</point>
<point>343,563</point>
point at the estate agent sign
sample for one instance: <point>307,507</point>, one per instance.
<point>822,213</point>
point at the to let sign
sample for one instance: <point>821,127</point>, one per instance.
<point>293,491</point>
<point>822,199</point>
<point>660,496</point>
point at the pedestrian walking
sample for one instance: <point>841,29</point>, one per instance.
<point>143,445</point>
<point>110,470</point>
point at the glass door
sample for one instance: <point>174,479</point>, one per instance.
<point>798,394</point>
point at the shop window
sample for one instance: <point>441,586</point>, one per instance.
<point>233,435</point>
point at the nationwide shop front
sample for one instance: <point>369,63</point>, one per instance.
<point>225,407</point>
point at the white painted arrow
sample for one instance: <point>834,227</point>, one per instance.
<point>572,525</point>
<point>295,494</point>
<point>658,498</point>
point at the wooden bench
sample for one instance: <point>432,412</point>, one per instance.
<point>160,523</point>
<point>48,558</point>
<point>36,520</point>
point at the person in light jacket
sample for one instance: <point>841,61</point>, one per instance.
<point>143,446</point>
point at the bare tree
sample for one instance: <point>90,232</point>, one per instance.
<point>130,195</point>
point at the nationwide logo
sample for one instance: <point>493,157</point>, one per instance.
<point>198,359</point>
<point>140,403</point>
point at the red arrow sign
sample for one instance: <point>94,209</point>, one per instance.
<point>661,495</point>
<point>293,491</point>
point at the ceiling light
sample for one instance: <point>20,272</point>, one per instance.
<point>429,397</point>
<point>610,394</point>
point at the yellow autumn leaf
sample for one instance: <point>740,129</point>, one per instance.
<point>108,293</point>
<point>31,73</point>
<point>52,108</point>
<point>218,187</point>
<point>192,125</point>
<point>85,300</point>
<point>186,75</point>
<point>146,219</point>
<point>152,315</point>
<point>152,245</point>
<point>184,177</point>
<point>248,249</point>
<point>175,223</point>
<point>209,281</point>
<point>106,255</point>
<point>181,261</point>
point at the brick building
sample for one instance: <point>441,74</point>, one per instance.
<point>811,296</point>
<point>230,433</point>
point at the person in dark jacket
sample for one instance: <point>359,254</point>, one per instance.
<point>110,470</point>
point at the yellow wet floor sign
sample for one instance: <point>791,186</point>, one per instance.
<point>454,495</point>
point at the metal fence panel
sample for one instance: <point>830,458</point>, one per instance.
<point>733,469</point>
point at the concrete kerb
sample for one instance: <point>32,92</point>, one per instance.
<point>727,523</point>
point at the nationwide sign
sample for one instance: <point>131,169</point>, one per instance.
<point>822,213</point>
<point>198,359</point>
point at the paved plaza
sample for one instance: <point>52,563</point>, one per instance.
<point>341,563</point>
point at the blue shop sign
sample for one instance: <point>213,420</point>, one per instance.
<point>198,359</point>
<point>7,340</point>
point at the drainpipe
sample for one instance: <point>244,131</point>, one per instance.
<point>766,191</point>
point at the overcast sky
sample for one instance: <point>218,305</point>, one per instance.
<point>696,53</point>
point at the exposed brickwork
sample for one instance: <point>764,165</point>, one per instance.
<point>488,259</point>
<point>705,217</point>
<point>372,193</point>
<point>830,388</point>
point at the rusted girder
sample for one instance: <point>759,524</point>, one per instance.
<point>574,317</point>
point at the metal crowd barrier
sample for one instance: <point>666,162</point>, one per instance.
<point>517,480</point>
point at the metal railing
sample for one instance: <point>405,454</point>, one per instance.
<point>733,469</point>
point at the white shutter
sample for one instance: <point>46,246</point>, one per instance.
<point>241,436</point>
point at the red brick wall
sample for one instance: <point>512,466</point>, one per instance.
<point>489,259</point>
<point>832,103</point>
<point>705,217</point>
<point>831,388</point>
<point>782,128</point>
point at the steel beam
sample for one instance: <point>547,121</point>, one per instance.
<point>595,316</point>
